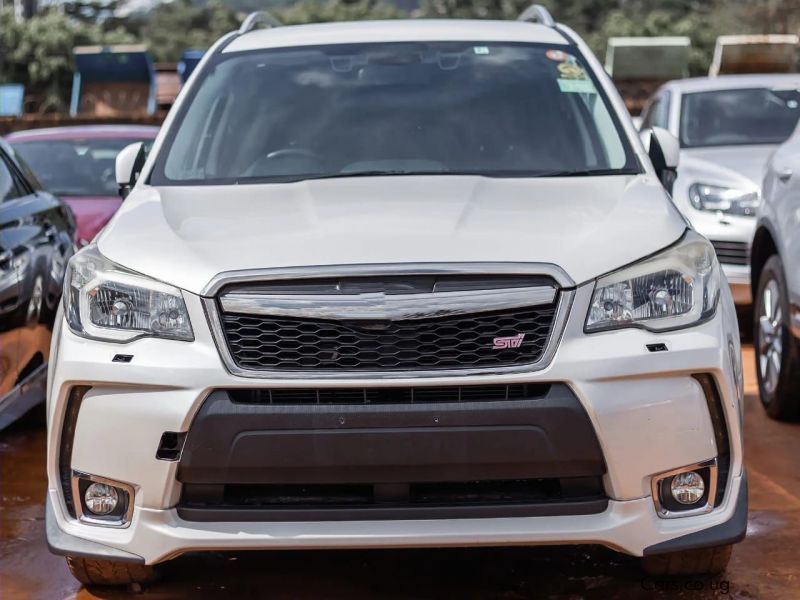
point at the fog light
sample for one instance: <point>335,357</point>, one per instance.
<point>101,499</point>
<point>687,488</point>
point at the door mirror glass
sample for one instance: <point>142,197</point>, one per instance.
<point>129,164</point>
<point>664,151</point>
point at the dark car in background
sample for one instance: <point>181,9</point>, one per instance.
<point>77,164</point>
<point>37,238</point>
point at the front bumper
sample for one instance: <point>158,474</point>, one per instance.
<point>648,412</point>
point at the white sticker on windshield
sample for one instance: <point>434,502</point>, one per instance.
<point>576,86</point>
<point>480,49</point>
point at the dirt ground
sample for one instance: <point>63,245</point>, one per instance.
<point>766,565</point>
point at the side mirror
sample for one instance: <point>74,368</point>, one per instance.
<point>128,165</point>
<point>664,151</point>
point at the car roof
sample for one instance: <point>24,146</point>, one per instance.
<point>732,82</point>
<point>84,132</point>
<point>398,30</point>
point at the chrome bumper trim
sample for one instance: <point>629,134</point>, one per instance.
<point>385,307</point>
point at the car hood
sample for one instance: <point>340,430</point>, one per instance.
<point>588,226</point>
<point>750,161</point>
<point>92,213</point>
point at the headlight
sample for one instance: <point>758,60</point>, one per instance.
<point>105,301</point>
<point>721,199</point>
<point>676,288</point>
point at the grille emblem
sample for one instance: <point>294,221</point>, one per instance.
<point>503,343</point>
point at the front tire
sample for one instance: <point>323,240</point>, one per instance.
<point>90,571</point>
<point>701,561</point>
<point>776,350</point>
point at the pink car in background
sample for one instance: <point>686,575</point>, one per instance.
<point>76,164</point>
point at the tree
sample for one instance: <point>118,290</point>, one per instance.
<point>172,27</point>
<point>38,52</point>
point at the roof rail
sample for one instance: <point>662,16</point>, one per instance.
<point>260,17</point>
<point>536,13</point>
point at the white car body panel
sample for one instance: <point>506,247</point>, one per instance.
<point>649,412</point>
<point>634,398</point>
<point>425,219</point>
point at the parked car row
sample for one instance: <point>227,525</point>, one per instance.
<point>403,309</point>
<point>739,185</point>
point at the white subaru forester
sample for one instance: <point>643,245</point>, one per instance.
<point>396,284</point>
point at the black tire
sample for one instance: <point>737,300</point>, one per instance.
<point>90,571</point>
<point>781,400</point>
<point>701,561</point>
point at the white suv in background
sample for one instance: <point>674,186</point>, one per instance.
<point>728,126</point>
<point>396,284</point>
<point>776,284</point>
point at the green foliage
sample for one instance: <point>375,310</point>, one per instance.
<point>311,11</point>
<point>38,52</point>
<point>597,20</point>
<point>702,26</point>
<point>173,27</point>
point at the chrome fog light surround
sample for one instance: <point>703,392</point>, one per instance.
<point>669,507</point>
<point>119,517</point>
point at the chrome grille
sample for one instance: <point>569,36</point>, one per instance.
<point>389,324</point>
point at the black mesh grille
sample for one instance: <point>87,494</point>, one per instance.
<point>463,341</point>
<point>731,253</point>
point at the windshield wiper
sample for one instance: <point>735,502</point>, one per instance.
<point>492,174</point>
<point>587,173</point>
<point>373,173</point>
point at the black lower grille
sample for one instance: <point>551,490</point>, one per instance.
<point>731,253</point>
<point>578,495</point>
<point>463,341</point>
<point>400,395</point>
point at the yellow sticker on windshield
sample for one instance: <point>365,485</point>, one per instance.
<point>571,70</point>
<point>576,86</point>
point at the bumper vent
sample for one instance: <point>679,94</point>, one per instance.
<point>74,402</point>
<point>403,395</point>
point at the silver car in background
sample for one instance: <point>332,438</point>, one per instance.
<point>730,233</point>
<point>734,122</point>
<point>776,284</point>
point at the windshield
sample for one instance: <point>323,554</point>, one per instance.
<point>738,117</point>
<point>492,109</point>
<point>75,167</point>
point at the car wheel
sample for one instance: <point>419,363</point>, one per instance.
<point>90,571</point>
<point>700,561</point>
<point>776,350</point>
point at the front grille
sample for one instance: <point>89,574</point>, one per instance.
<point>463,341</point>
<point>401,395</point>
<point>443,493</point>
<point>731,253</point>
<point>426,500</point>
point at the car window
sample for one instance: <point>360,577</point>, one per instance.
<point>658,112</point>
<point>398,108</point>
<point>739,116</point>
<point>10,186</point>
<point>77,167</point>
